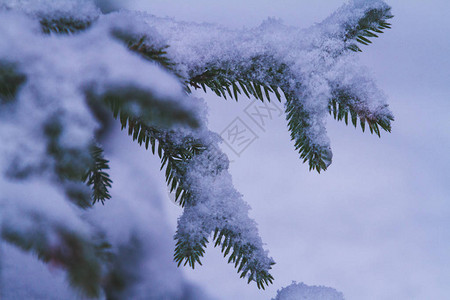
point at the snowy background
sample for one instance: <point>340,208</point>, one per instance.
<point>376,224</point>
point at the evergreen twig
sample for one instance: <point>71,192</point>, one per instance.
<point>370,26</point>
<point>97,178</point>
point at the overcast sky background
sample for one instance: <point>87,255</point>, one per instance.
<point>376,224</point>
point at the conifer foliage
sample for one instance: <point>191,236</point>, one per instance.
<point>140,70</point>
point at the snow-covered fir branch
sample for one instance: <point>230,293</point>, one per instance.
<point>64,66</point>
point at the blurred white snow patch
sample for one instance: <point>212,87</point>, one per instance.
<point>20,209</point>
<point>297,291</point>
<point>24,277</point>
<point>53,8</point>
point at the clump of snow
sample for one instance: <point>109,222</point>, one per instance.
<point>54,9</point>
<point>356,81</point>
<point>301,291</point>
<point>216,204</point>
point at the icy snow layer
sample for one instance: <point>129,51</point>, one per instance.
<point>297,291</point>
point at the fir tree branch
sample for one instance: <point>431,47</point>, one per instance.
<point>148,119</point>
<point>69,163</point>
<point>144,47</point>
<point>176,152</point>
<point>215,206</point>
<point>195,168</point>
<point>223,84</point>
<point>150,128</point>
<point>244,256</point>
<point>149,52</point>
<point>369,26</point>
<point>344,104</point>
<point>10,81</point>
<point>174,155</point>
<point>318,156</point>
<point>64,25</point>
<point>144,107</point>
<point>97,178</point>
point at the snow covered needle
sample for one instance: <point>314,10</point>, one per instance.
<point>64,66</point>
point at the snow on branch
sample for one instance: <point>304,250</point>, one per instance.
<point>215,206</point>
<point>303,63</point>
<point>355,94</point>
<point>72,63</point>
